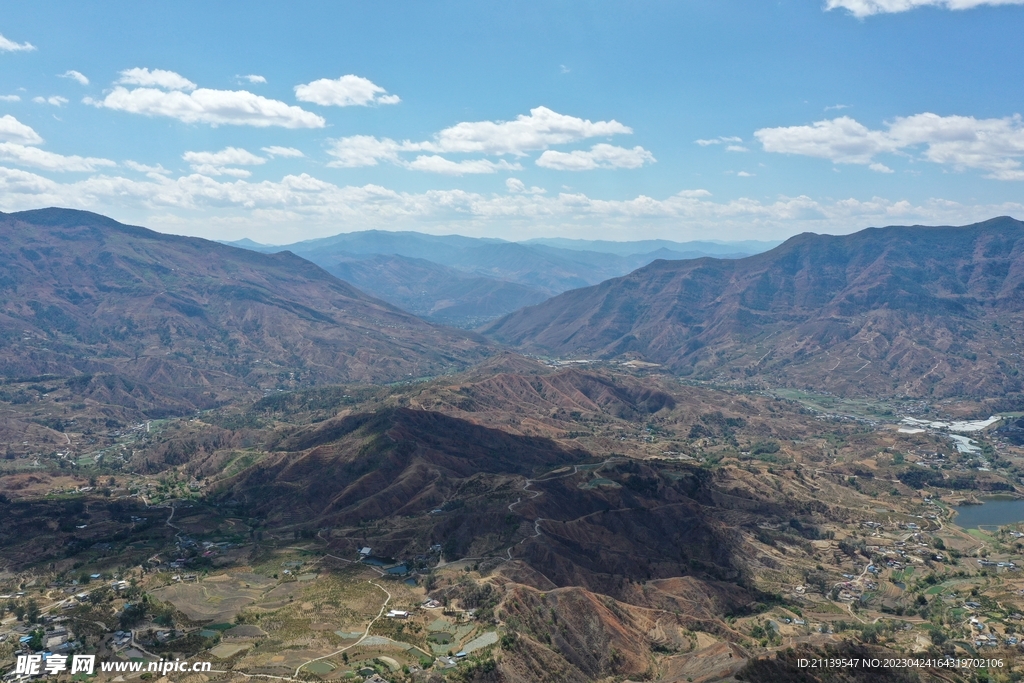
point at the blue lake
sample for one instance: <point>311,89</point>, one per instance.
<point>993,512</point>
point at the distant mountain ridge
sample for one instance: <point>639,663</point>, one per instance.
<point>899,310</point>
<point>466,281</point>
<point>626,248</point>
<point>160,323</point>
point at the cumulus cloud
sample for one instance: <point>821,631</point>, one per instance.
<point>177,97</point>
<point>745,174</point>
<point>438,164</point>
<point>197,203</point>
<point>516,186</point>
<point>156,172</point>
<point>288,152</point>
<point>362,150</point>
<point>7,45</point>
<point>9,98</point>
<point>718,141</point>
<point>75,76</point>
<point>211,170</point>
<point>599,156</point>
<point>866,8</point>
<point>541,129</point>
<point>156,77</point>
<point>962,142</point>
<point>229,156</point>
<point>48,161</point>
<point>842,140</point>
<point>55,100</point>
<point>18,146</point>
<point>13,130</point>
<point>221,163</point>
<point>347,91</point>
<point>254,78</point>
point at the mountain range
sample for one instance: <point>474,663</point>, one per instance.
<point>467,282</point>
<point>614,510</point>
<point>905,310</point>
<point>163,323</point>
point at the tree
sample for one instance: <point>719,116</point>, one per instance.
<point>32,611</point>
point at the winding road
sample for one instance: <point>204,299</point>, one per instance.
<point>366,633</point>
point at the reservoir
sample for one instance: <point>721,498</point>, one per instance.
<point>993,512</point>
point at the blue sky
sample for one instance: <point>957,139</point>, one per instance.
<point>722,119</point>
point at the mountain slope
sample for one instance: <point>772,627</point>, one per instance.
<point>441,479</point>
<point>433,291</point>
<point>467,281</point>
<point>905,310</point>
<point>182,322</point>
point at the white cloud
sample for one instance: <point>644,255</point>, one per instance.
<point>962,142</point>
<point>7,45</point>
<point>49,161</point>
<point>837,107</point>
<point>736,148</point>
<point>540,130</point>
<point>234,156</point>
<point>75,76</point>
<point>156,77</point>
<point>269,210</point>
<point>156,172</point>
<point>211,170</point>
<point>718,141</point>
<point>843,140</point>
<point>600,156</point>
<point>438,164</point>
<point>55,100</point>
<point>219,163</point>
<point>9,98</point>
<point>13,130</point>
<point>362,150</point>
<point>744,174</point>
<point>202,105</point>
<point>515,186</point>
<point>288,152</point>
<point>992,145</point>
<point>254,78</point>
<point>880,168</point>
<point>865,8</point>
<point>346,91</point>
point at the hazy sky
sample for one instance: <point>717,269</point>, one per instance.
<point>685,119</point>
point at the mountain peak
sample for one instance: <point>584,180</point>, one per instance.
<point>901,309</point>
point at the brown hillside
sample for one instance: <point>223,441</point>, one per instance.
<point>899,310</point>
<point>165,324</point>
<point>420,478</point>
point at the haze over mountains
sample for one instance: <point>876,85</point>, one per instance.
<point>900,310</point>
<point>161,323</point>
<point>466,282</point>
